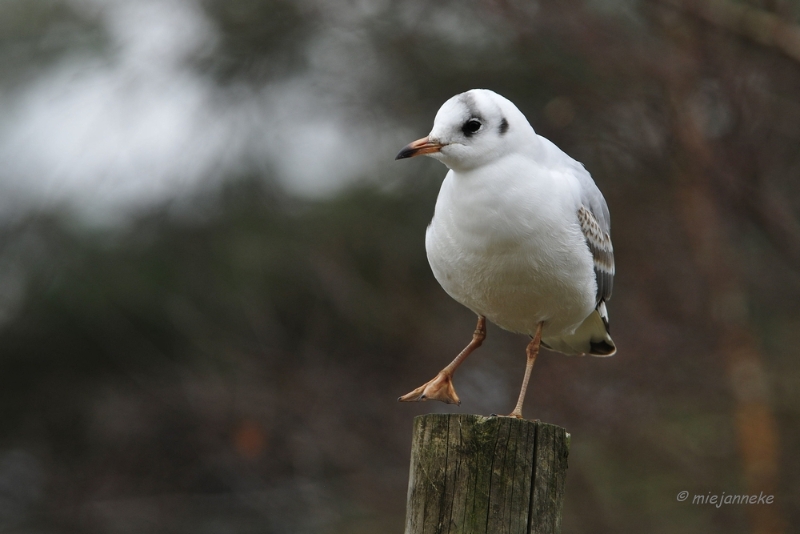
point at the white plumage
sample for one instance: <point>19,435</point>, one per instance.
<point>520,233</point>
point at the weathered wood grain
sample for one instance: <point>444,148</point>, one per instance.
<point>471,474</point>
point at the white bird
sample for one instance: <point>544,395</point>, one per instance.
<point>520,235</point>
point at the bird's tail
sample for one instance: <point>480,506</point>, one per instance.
<point>591,337</point>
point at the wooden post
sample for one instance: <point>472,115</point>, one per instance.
<point>494,475</point>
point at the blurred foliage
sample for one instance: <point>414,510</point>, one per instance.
<point>259,41</point>
<point>36,35</point>
<point>230,359</point>
<point>138,356</point>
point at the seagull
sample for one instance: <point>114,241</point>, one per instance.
<point>520,235</point>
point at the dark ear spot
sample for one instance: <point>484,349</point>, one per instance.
<point>503,126</point>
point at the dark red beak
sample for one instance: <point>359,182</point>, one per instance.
<point>419,147</point>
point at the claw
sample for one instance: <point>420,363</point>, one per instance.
<point>440,388</point>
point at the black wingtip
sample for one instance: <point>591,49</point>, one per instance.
<point>602,348</point>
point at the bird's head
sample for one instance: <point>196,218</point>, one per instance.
<point>473,129</point>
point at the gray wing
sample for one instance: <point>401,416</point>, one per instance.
<point>596,226</point>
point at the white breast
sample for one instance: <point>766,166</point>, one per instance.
<point>509,247</point>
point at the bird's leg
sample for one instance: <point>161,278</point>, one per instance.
<point>441,387</point>
<point>531,351</point>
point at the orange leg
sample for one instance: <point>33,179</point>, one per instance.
<point>532,351</point>
<point>441,387</point>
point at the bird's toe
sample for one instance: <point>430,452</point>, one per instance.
<point>440,388</point>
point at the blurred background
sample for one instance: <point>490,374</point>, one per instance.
<point>213,283</point>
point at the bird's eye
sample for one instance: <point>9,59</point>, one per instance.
<point>471,126</point>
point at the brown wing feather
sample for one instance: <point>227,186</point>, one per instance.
<point>599,243</point>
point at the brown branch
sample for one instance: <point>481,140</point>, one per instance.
<point>754,24</point>
<point>776,219</point>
